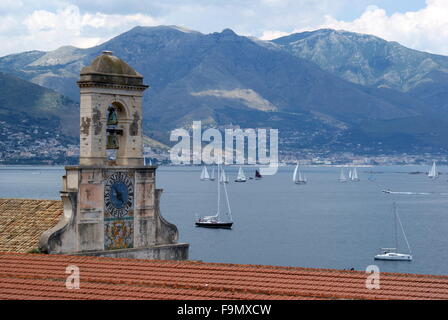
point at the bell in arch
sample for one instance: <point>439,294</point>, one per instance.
<point>112,142</point>
<point>112,118</point>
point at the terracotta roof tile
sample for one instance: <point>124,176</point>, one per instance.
<point>35,276</point>
<point>24,220</point>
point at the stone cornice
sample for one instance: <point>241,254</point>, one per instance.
<point>87,84</point>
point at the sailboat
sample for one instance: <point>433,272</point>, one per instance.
<point>298,177</point>
<point>342,177</point>
<point>257,175</point>
<point>216,220</point>
<point>391,253</point>
<point>145,163</point>
<point>433,173</point>
<point>241,177</point>
<point>354,176</point>
<point>223,177</point>
<point>204,174</point>
<point>212,177</point>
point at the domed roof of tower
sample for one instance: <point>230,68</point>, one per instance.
<point>106,69</point>
<point>106,63</point>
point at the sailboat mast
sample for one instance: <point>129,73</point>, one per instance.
<point>404,234</point>
<point>395,225</point>
<point>228,203</point>
<point>219,193</point>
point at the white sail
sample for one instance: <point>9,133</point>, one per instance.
<point>204,173</point>
<point>342,176</point>
<point>241,176</point>
<point>294,176</point>
<point>355,175</point>
<point>223,177</point>
<point>298,177</point>
<point>433,173</point>
<point>350,174</point>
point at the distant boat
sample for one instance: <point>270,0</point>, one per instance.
<point>204,174</point>
<point>212,177</point>
<point>354,176</point>
<point>144,161</point>
<point>223,177</point>
<point>241,177</point>
<point>391,253</point>
<point>433,174</point>
<point>257,175</point>
<point>298,177</point>
<point>342,177</point>
<point>217,221</point>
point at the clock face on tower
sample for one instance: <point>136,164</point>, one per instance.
<point>118,195</point>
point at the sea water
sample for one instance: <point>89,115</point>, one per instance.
<point>323,224</point>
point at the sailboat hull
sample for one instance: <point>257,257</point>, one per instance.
<point>237,180</point>
<point>394,257</point>
<point>216,225</point>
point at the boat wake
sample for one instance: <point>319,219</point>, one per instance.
<point>410,192</point>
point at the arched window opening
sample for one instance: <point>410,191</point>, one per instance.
<point>113,142</point>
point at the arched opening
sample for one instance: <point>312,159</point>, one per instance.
<point>115,115</point>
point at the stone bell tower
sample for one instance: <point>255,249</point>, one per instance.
<point>111,113</point>
<point>111,204</point>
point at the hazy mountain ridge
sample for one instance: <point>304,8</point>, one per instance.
<point>374,62</point>
<point>308,85</point>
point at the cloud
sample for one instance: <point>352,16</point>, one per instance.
<point>270,34</point>
<point>64,25</point>
<point>425,29</point>
<point>49,24</point>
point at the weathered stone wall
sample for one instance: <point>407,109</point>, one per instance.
<point>82,229</point>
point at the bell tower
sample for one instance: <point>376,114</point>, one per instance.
<point>111,113</point>
<point>111,203</point>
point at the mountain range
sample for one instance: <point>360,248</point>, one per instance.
<point>325,90</point>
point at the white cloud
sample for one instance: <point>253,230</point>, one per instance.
<point>49,24</point>
<point>65,25</point>
<point>270,34</point>
<point>425,29</point>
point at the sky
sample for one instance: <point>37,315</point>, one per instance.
<point>49,24</point>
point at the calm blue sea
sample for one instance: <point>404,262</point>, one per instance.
<point>323,224</point>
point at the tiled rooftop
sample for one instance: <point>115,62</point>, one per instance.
<point>22,222</point>
<point>36,276</point>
